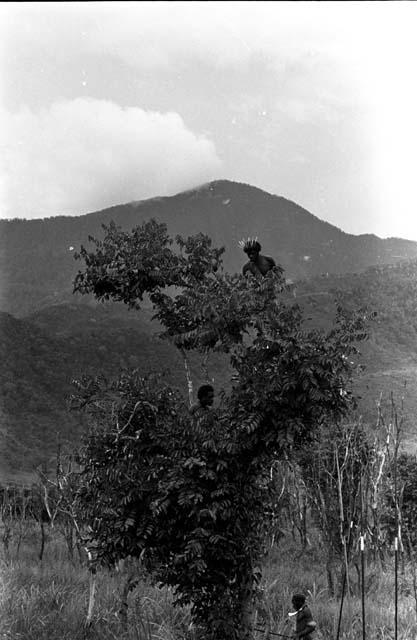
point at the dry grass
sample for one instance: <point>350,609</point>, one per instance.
<point>48,600</point>
<point>287,572</point>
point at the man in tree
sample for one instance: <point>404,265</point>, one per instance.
<point>205,395</point>
<point>196,487</point>
<point>258,264</point>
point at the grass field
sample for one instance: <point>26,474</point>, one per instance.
<point>48,600</point>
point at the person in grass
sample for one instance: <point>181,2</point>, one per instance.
<point>304,625</point>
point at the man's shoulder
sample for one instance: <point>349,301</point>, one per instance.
<point>305,613</point>
<point>269,260</point>
<point>194,408</point>
<point>197,410</point>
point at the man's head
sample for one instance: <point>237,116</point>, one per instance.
<point>298,600</point>
<point>253,253</point>
<point>205,395</point>
<point>251,247</point>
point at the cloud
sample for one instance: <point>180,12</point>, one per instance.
<point>158,35</point>
<point>146,34</point>
<point>271,81</point>
<point>86,154</point>
<point>305,47</point>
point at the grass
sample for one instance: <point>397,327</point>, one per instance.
<point>307,574</point>
<point>48,600</point>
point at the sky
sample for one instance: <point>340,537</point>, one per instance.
<point>102,103</point>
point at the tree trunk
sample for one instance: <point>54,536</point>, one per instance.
<point>68,531</point>
<point>6,537</point>
<point>305,542</point>
<point>92,595</point>
<point>188,377</point>
<point>329,572</point>
<point>129,584</point>
<point>245,631</point>
<point>43,537</point>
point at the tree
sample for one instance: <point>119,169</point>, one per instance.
<point>338,463</point>
<point>189,495</point>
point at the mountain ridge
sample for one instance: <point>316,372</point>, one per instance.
<point>38,267</point>
<point>49,335</point>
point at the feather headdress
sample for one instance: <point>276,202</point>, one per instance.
<point>249,243</point>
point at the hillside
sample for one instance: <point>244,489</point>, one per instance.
<point>42,354</point>
<point>390,353</point>
<point>38,267</point>
<point>49,336</point>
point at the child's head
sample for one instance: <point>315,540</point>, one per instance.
<point>205,394</point>
<point>298,600</point>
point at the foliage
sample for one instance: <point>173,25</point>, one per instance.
<point>124,265</point>
<point>156,481</point>
<point>337,475</point>
<point>190,494</point>
<point>36,367</point>
<point>407,471</point>
<point>407,500</point>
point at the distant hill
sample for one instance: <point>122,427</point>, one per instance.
<point>390,353</point>
<point>42,354</point>
<point>37,265</point>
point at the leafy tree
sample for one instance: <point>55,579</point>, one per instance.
<point>124,266</point>
<point>407,466</point>
<point>333,471</point>
<point>190,494</point>
<point>406,499</point>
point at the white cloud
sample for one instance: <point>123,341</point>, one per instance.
<point>163,34</point>
<point>334,70</point>
<point>85,154</point>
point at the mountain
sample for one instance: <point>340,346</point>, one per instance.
<point>38,267</point>
<point>50,337</point>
